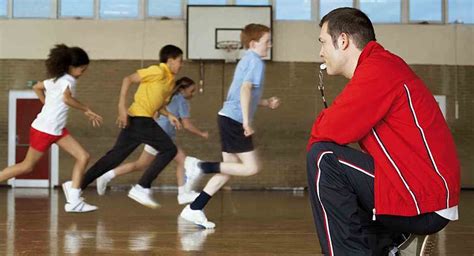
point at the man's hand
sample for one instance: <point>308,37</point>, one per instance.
<point>122,119</point>
<point>94,118</point>
<point>175,121</point>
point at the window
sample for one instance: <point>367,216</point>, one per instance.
<point>382,11</point>
<point>164,8</point>
<point>208,2</point>
<point>461,11</point>
<point>425,10</point>
<point>293,10</point>
<point>3,8</point>
<point>77,8</point>
<point>325,6</point>
<point>118,9</point>
<point>251,2</point>
<point>32,8</point>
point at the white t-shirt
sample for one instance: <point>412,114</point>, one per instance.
<point>53,116</point>
<point>450,213</point>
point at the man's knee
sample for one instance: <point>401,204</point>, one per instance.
<point>319,147</point>
<point>316,156</point>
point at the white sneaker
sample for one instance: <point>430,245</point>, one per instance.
<point>415,245</point>
<point>197,217</point>
<point>101,184</point>
<point>192,171</point>
<point>66,186</point>
<point>79,206</point>
<point>143,196</point>
<point>187,197</point>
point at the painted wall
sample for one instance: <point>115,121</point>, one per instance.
<point>442,55</point>
<point>293,41</point>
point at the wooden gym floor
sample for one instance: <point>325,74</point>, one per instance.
<point>248,223</point>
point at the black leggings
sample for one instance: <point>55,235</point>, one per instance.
<point>139,130</point>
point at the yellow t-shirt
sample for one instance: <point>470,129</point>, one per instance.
<point>154,91</point>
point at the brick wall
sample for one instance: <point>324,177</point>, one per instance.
<point>281,134</point>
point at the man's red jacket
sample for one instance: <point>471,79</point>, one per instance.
<point>393,116</point>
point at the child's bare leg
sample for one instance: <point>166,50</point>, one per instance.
<point>193,212</point>
<point>74,202</point>
<point>25,166</point>
<point>145,159</point>
<point>249,165</point>
<point>140,164</point>
<point>72,146</point>
<point>179,158</point>
<point>220,179</point>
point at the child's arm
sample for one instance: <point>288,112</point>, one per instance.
<point>95,119</point>
<point>38,88</point>
<point>245,95</point>
<point>122,119</point>
<point>272,102</point>
<point>172,118</point>
<point>188,125</point>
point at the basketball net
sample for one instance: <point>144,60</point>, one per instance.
<point>230,50</point>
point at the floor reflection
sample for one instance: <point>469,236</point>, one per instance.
<point>248,223</point>
<point>192,237</point>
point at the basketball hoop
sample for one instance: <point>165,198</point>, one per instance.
<point>230,48</point>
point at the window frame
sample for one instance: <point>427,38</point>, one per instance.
<point>447,18</point>
<point>94,12</point>
<point>7,13</point>
<point>443,15</point>
<point>400,21</point>
<point>311,15</point>
<point>140,12</point>
<point>314,17</point>
<point>180,17</point>
<point>52,12</point>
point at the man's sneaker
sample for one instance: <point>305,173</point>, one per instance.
<point>66,186</point>
<point>79,206</point>
<point>415,245</point>
<point>143,196</point>
<point>197,217</point>
<point>187,197</point>
<point>192,171</point>
<point>101,184</point>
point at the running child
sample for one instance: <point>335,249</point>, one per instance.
<point>235,125</point>
<point>179,106</point>
<point>155,87</point>
<point>64,65</point>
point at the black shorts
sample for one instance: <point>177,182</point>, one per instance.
<point>233,139</point>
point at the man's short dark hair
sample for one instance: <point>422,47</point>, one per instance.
<point>351,21</point>
<point>169,51</point>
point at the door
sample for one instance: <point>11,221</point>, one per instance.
<point>26,112</point>
<point>23,107</point>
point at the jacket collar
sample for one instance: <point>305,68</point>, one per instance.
<point>370,48</point>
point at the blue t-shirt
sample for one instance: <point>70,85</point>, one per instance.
<point>250,68</point>
<point>180,108</point>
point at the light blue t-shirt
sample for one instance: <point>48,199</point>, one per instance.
<point>180,108</point>
<point>250,68</point>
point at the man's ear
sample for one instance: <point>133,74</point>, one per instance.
<point>343,41</point>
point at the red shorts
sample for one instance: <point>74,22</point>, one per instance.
<point>41,141</point>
